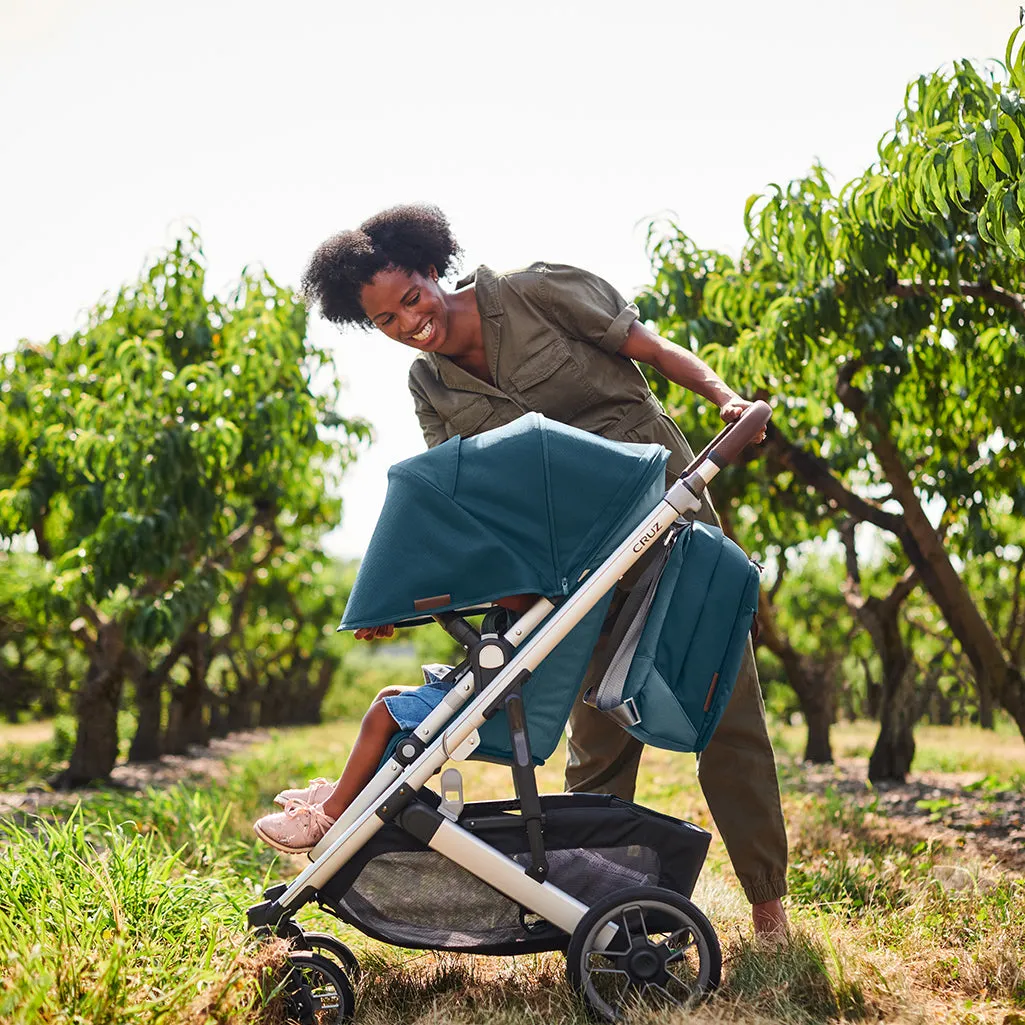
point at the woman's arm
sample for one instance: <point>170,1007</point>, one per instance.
<point>684,368</point>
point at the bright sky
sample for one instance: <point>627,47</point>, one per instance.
<point>546,130</point>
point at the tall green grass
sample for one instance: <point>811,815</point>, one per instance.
<point>107,920</point>
<point>131,908</point>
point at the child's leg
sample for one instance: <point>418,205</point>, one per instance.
<point>302,824</point>
<point>318,791</point>
<point>375,733</point>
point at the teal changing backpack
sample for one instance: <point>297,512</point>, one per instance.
<point>680,639</point>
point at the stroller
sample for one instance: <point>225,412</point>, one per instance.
<point>535,507</point>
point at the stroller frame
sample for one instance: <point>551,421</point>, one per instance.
<point>490,680</point>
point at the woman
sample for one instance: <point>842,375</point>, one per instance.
<point>559,341</point>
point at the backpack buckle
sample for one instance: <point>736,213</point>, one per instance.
<point>625,714</point>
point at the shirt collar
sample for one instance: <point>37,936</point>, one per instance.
<point>489,303</point>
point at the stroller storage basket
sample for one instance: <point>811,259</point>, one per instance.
<point>397,890</point>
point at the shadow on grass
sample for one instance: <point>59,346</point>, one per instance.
<point>800,983</point>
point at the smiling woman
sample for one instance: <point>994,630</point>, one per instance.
<point>386,274</point>
<point>560,341</point>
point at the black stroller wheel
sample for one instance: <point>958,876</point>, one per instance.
<point>328,944</point>
<point>663,950</point>
<point>318,991</point>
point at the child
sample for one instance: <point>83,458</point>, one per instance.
<point>310,812</point>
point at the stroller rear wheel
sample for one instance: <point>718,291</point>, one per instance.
<point>318,991</point>
<point>642,944</point>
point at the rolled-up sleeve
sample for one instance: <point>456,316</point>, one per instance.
<point>585,306</point>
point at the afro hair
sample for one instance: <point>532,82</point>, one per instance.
<point>414,237</point>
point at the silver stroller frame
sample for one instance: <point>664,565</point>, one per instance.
<point>492,680</point>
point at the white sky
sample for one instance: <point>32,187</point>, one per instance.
<point>546,130</point>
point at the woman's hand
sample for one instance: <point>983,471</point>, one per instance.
<point>373,633</point>
<point>733,408</point>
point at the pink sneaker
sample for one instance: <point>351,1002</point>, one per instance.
<point>297,829</point>
<point>317,791</point>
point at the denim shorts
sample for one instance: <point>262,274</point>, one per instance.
<point>411,707</point>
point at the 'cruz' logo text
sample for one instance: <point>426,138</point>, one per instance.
<point>647,537</point>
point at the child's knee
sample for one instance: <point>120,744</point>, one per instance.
<point>389,692</point>
<point>378,718</point>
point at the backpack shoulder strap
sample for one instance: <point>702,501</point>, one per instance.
<point>607,696</point>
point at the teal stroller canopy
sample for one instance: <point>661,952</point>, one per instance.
<point>529,508</point>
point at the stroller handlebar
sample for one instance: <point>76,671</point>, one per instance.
<point>736,436</point>
<point>726,446</point>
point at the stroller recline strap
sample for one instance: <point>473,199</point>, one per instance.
<point>607,696</point>
<point>525,783</point>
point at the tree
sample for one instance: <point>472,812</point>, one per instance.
<point>151,456</point>
<point>884,323</point>
<point>36,655</point>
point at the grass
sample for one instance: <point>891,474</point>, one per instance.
<point>948,749</point>
<point>131,908</point>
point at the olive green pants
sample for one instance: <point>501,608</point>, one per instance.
<point>737,770</point>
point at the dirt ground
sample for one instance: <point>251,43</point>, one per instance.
<point>200,764</point>
<point>950,807</point>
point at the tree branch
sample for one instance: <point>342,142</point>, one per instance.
<point>42,544</point>
<point>782,565</point>
<point>1015,620</point>
<point>816,472</point>
<point>233,543</point>
<point>907,583</point>
<point>994,293</point>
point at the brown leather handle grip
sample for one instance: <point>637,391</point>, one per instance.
<point>734,437</point>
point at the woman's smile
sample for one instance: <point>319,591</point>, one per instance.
<point>423,338</point>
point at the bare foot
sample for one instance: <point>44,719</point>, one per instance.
<point>770,921</point>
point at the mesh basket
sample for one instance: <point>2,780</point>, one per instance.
<point>399,891</point>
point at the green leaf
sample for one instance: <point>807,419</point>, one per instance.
<point>1009,124</point>
<point>751,200</point>
<point>1000,160</point>
<point>1016,67</point>
<point>1012,221</point>
<point>987,177</point>
<point>982,226</point>
<point>964,185</point>
<point>936,185</point>
<point>984,139</point>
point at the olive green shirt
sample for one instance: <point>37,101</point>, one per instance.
<point>552,335</point>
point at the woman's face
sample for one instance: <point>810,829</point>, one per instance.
<point>408,307</point>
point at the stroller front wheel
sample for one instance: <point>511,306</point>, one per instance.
<point>642,944</point>
<point>317,991</point>
<point>327,944</point>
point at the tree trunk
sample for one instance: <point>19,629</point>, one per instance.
<point>811,681</point>
<point>986,710</point>
<point>818,714</point>
<point>895,746</point>
<point>241,699</point>
<point>218,714</point>
<point>96,740</point>
<point>898,704</point>
<point>273,707</point>
<point>241,707</point>
<point>148,700</point>
<point>185,722</point>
